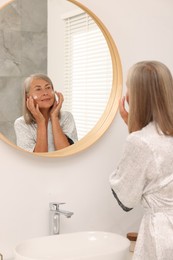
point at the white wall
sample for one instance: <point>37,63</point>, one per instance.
<point>142,30</point>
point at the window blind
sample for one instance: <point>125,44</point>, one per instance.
<point>88,72</point>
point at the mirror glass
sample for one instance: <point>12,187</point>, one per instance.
<point>63,41</point>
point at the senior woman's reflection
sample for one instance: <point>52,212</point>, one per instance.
<point>44,126</point>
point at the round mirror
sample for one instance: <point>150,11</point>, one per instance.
<point>66,41</point>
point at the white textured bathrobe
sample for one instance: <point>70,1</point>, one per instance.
<point>145,175</point>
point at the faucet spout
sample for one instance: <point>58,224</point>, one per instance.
<point>66,213</point>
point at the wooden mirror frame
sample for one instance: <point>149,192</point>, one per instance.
<point>112,105</point>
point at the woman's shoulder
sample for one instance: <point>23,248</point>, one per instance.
<point>66,115</point>
<point>21,125</point>
<point>20,120</point>
<point>144,135</point>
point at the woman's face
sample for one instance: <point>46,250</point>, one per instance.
<point>42,92</point>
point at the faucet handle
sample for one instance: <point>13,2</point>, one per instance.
<point>55,205</point>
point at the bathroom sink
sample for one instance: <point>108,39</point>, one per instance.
<point>75,246</point>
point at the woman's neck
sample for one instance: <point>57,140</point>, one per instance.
<point>46,114</point>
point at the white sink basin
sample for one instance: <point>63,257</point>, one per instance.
<point>75,246</point>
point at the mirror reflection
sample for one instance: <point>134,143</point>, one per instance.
<point>44,127</point>
<point>57,39</point>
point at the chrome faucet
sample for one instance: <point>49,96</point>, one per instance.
<point>54,217</point>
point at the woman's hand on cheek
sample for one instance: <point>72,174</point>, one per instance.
<point>55,111</point>
<point>123,112</point>
<point>34,109</point>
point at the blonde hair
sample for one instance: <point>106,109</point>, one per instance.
<point>26,87</point>
<point>150,88</point>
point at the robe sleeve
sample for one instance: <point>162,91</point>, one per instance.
<point>129,179</point>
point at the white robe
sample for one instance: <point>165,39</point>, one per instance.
<point>145,175</point>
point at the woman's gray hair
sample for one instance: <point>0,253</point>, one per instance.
<point>26,88</point>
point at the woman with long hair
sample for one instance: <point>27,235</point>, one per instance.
<point>145,172</point>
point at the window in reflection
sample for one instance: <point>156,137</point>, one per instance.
<point>88,71</point>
